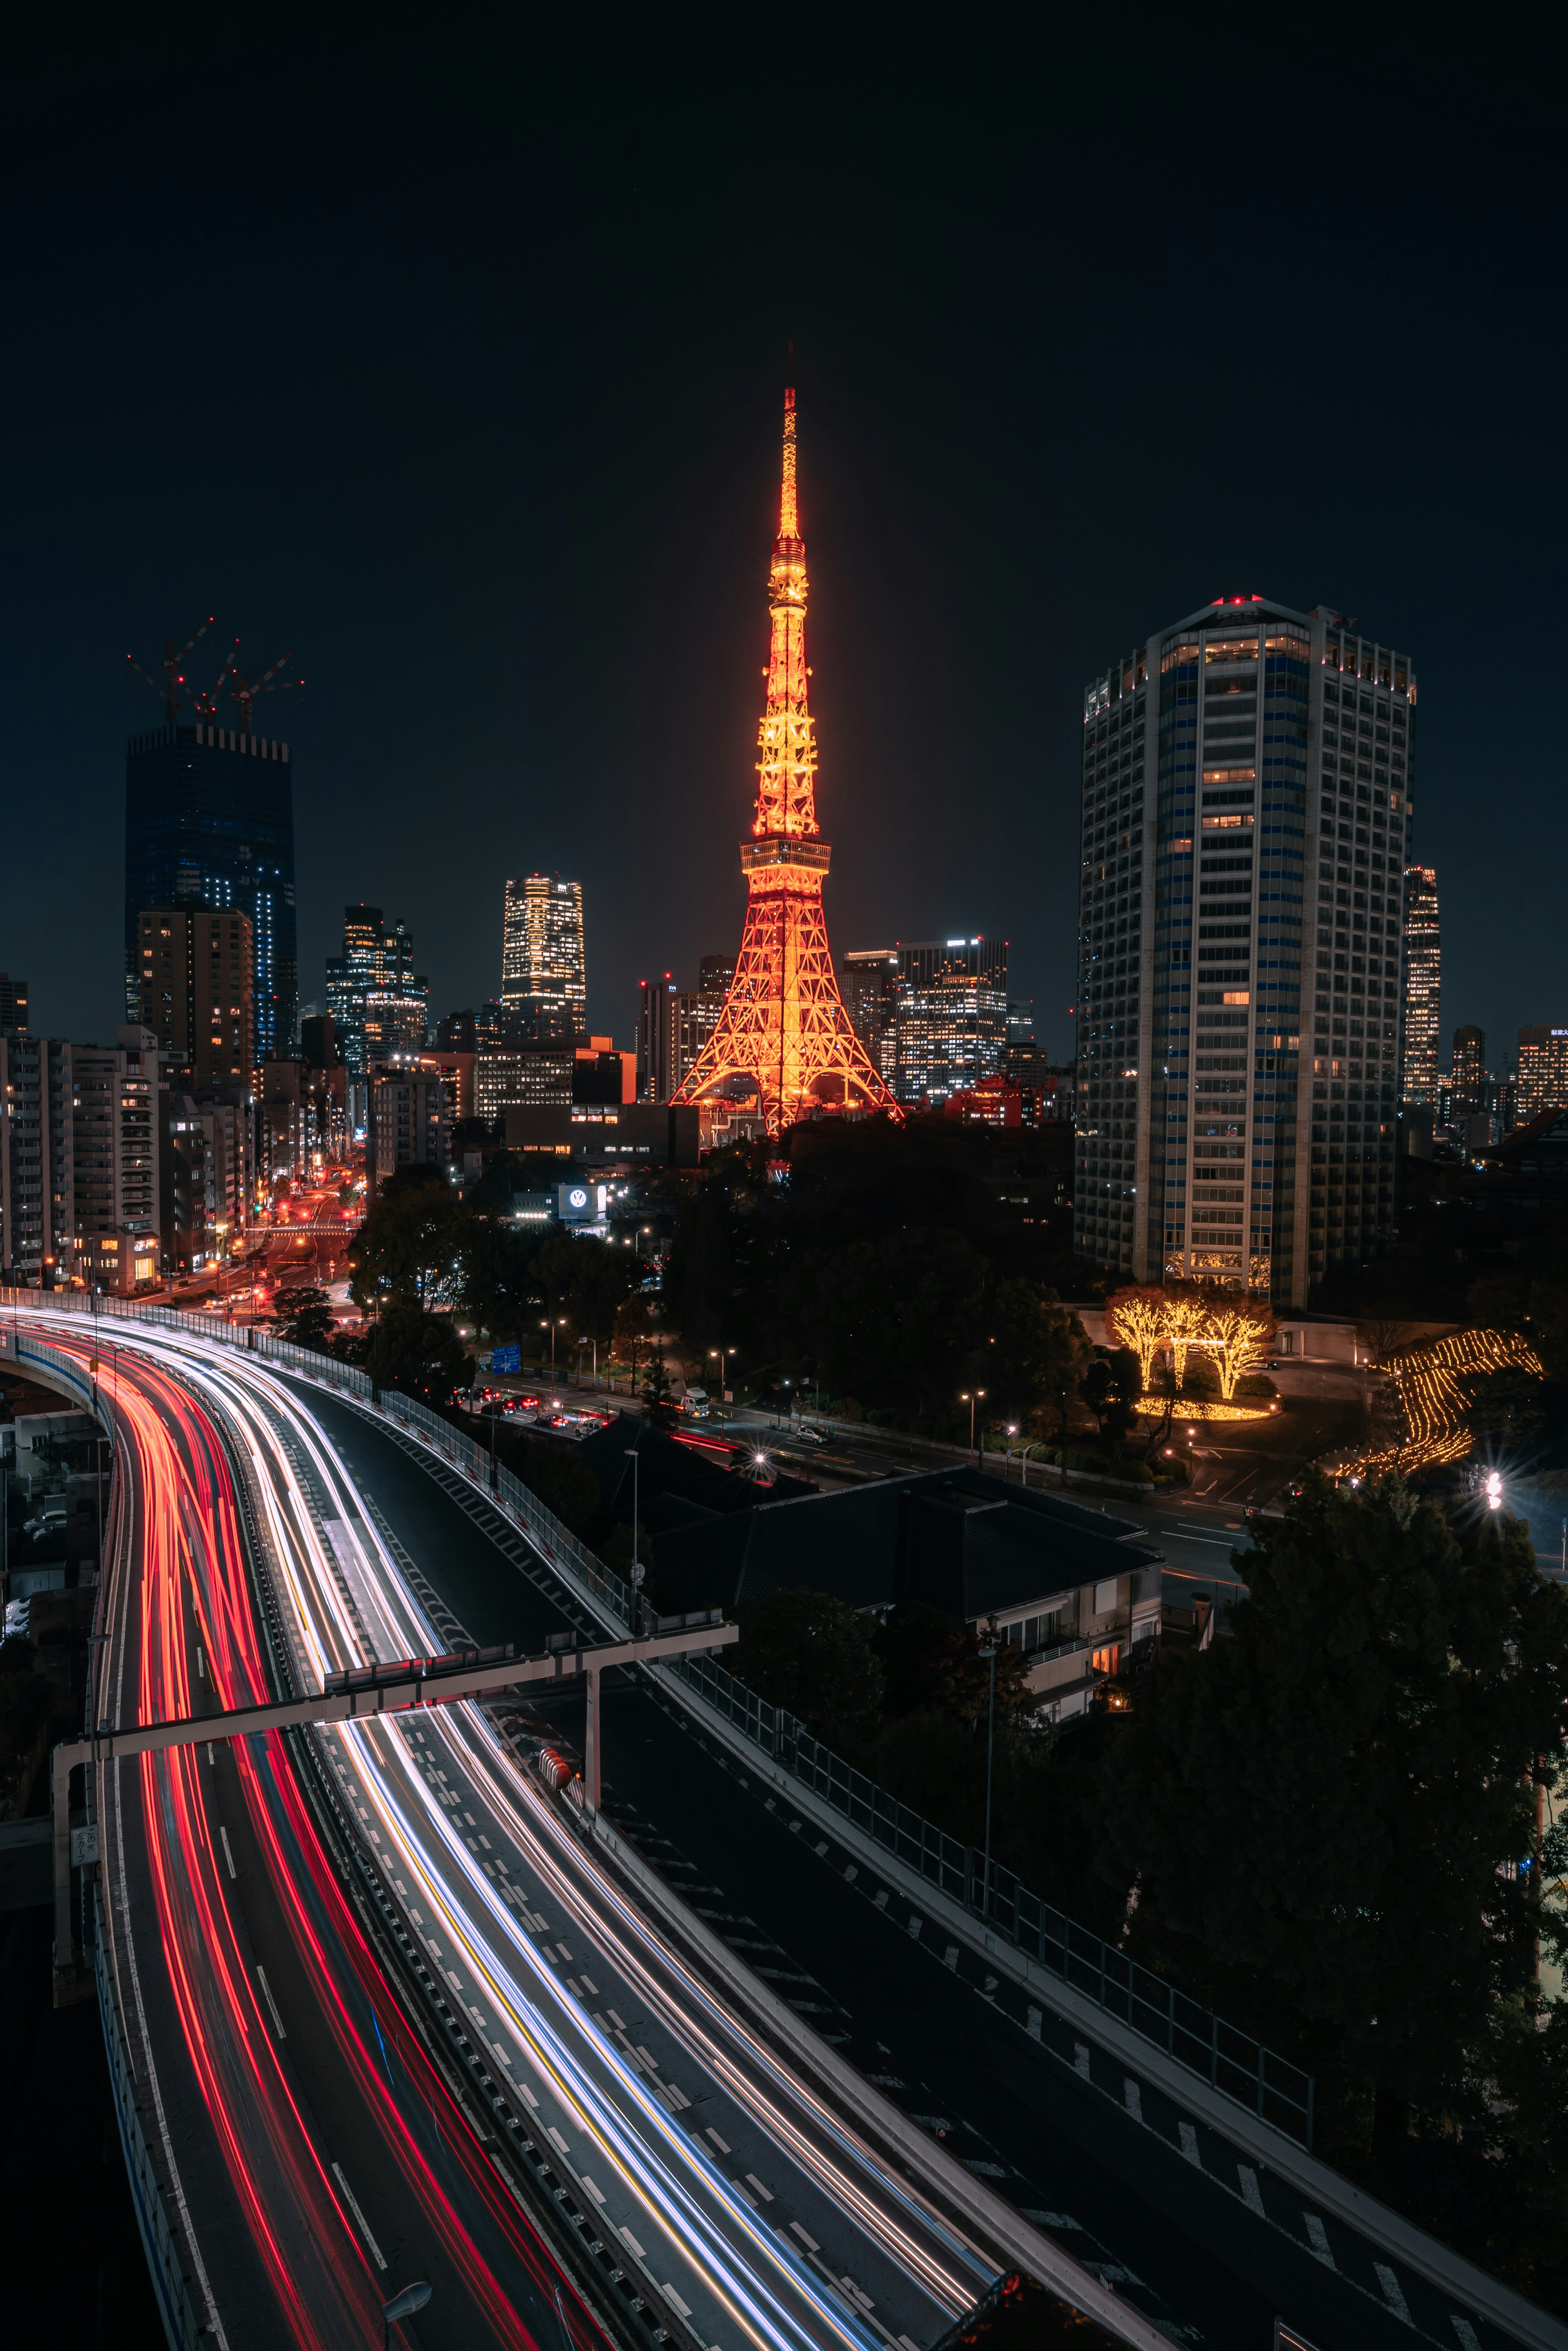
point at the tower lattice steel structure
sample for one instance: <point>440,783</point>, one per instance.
<point>783,1033</point>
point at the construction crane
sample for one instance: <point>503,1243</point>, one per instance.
<point>176,686</point>
<point>245,693</point>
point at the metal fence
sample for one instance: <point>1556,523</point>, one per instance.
<point>605,1590</point>
<point>170,2283</point>
<point>1230,2060</point>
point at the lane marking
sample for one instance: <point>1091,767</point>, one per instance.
<point>379,2257</point>
<point>228,1855</point>
<point>266,1989</point>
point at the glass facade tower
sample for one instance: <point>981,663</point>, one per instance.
<point>209,821</point>
<point>1247,819</point>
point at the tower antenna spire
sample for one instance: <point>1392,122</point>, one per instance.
<point>783,1030</point>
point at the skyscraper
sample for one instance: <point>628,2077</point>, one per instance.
<point>379,1005</point>
<point>1423,985</point>
<point>951,1017</point>
<point>783,1040</point>
<point>543,960</point>
<point>1250,767</point>
<point>209,821</point>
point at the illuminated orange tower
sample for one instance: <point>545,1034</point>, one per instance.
<point>783,1034</point>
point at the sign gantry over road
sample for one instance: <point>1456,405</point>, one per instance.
<point>366,1690</point>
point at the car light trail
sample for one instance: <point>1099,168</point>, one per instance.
<point>194,1599</point>
<point>347,1602</point>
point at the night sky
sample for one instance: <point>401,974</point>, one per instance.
<point>454,370</point>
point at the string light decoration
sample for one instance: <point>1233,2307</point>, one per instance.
<point>783,1035</point>
<point>1182,1323</point>
<point>1241,1339</point>
<point>1135,1318</point>
<point>1432,1380</point>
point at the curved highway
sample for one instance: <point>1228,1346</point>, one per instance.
<point>740,2201</point>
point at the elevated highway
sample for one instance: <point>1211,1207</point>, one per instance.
<point>747,2085</point>
<point>318,2138</point>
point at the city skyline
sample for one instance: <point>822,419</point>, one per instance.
<point>550,641</point>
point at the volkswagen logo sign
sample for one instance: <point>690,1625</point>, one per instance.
<point>579,1198</point>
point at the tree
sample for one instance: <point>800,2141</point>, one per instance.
<point>304,1318</point>
<point>1183,1323</point>
<point>500,1284</point>
<point>813,1655</point>
<point>1322,1813</point>
<point>1109,1388</point>
<point>417,1352</point>
<point>899,1317</point>
<point>1241,1334</point>
<point>931,1662</point>
<point>1383,1335</point>
<point>1135,1318</point>
<point>1030,1335</point>
<point>411,1246</point>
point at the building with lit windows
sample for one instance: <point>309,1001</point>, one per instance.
<point>378,1004</point>
<point>868,985</point>
<point>1469,1078</point>
<point>196,970</point>
<point>37,1177</point>
<point>209,821</point>
<point>951,1015</point>
<point>114,1139</point>
<point>543,960</point>
<point>1540,1081</point>
<point>1423,985</point>
<point>1247,783</point>
<point>12,1005</point>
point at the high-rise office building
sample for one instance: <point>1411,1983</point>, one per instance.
<point>378,1004</point>
<point>1542,1082</point>
<point>209,821</point>
<point>1247,782</point>
<point>197,970</point>
<point>1423,985</point>
<point>543,963</point>
<point>1469,1078</point>
<point>952,1016</point>
<point>12,1006</point>
<point>868,983</point>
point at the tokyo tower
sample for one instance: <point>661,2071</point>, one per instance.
<point>783,1035</point>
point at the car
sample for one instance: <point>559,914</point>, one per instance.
<point>804,1436</point>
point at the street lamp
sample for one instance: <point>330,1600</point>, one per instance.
<point>965,1398</point>
<point>402,2306</point>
